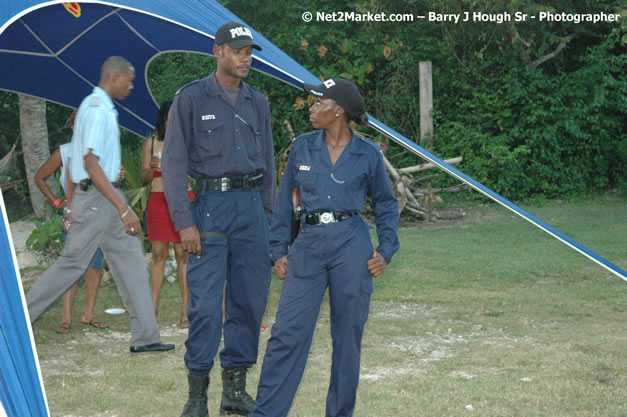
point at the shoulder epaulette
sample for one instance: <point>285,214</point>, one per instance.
<point>304,135</point>
<point>371,143</point>
<point>95,101</point>
<point>185,86</point>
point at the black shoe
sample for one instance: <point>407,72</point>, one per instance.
<point>153,347</point>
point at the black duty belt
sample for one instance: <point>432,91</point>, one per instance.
<point>229,183</point>
<point>325,217</point>
<point>86,183</point>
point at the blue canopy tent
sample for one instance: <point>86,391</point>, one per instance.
<point>54,50</point>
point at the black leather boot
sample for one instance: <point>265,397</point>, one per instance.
<point>235,399</point>
<point>196,405</point>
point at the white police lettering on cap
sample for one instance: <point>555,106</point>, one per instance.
<point>329,83</point>
<point>315,93</point>
<point>241,31</point>
<point>208,117</point>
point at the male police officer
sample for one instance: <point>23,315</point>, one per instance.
<point>100,214</point>
<point>219,133</point>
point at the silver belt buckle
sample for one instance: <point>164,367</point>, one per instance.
<point>326,217</point>
<point>224,184</point>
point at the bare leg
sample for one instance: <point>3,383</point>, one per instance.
<point>92,283</point>
<point>159,256</point>
<point>68,300</point>
<point>181,262</point>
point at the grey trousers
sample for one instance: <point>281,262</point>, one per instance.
<point>96,223</point>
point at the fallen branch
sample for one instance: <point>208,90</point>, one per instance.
<point>393,172</point>
<point>403,152</point>
<point>416,202</point>
<point>453,189</point>
<point>428,165</point>
<point>401,184</point>
<point>422,215</point>
<point>421,179</point>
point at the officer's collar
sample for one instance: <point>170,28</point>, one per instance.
<point>102,93</point>
<point>355,146</point>
<point>214,89</point>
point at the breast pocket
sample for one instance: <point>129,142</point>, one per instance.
<point>209,135</point>
<point>253,149</point>
<point>308,184</point>
<point>253,141</point>
<point>357,187</point>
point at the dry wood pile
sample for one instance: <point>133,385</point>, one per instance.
<point>414,197</point>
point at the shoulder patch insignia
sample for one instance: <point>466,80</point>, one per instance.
<point>95,101</point>
<point>186,85</point>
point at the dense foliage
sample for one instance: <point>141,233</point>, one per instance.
<point>552,129</point>
<point>535,108</point>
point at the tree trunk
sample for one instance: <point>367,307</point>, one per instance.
<point>35,147</point>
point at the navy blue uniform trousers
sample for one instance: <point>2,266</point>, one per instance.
<point>331,255</point>
<point>235,253</point>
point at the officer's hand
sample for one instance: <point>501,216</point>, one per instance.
<point>190,239</point>
<point>280,269</point>
<point>377,264</point>
<point>131,221</point>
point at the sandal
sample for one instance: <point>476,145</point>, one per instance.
<point>184,324</point>
<point>64,328</point>
<point>95,323</point>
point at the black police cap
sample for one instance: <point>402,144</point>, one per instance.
<point>343,92</point>
<point>236,36</point>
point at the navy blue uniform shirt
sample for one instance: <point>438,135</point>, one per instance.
<point>340,187</point>
<point>208,137</point>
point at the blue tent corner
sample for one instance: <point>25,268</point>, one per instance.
<point>21,390</point>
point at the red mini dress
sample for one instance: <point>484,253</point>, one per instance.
<point>160,226</point>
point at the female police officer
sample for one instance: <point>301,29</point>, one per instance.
<point>334,169</point>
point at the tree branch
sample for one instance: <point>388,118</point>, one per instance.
<point>557,50</point>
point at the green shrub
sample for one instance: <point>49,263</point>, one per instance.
<point>46,235</point>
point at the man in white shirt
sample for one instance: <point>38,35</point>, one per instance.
<point>101,216</point>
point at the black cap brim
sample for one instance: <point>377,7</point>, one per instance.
<point>243,43</point>
<point>314,90</point>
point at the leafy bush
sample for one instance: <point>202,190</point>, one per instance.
<point>554,129</point>
<point>46,235</point>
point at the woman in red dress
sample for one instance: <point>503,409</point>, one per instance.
<point>160,227</point>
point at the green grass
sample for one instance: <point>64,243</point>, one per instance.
<point>488,312</point>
